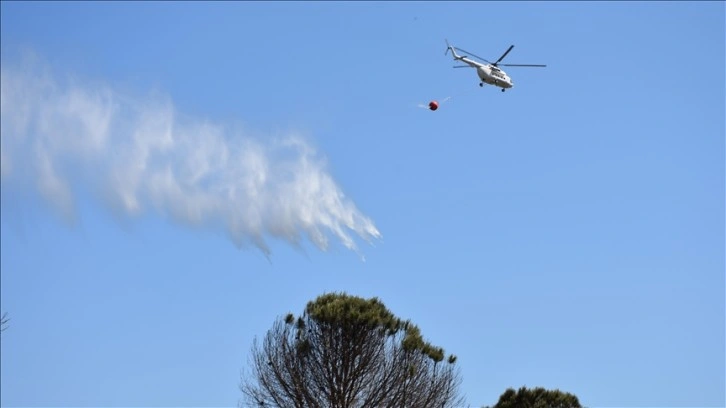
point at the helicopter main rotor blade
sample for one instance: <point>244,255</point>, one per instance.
<point>463,66</point>
<point>522,65</point>
<point>471,54</point>
<point>505,54</point>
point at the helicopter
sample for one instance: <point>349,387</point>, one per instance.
<point>488,72</point>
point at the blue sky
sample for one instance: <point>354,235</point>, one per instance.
<point>175,176</point>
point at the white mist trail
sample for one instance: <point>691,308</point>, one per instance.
<point>139,154</point>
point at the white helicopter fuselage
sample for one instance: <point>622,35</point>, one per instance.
<point>488,73</point>
<point>494,76</point>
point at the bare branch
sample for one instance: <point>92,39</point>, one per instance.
<point>4,322</point>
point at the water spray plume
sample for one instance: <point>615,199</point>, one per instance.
<point>139,154</point>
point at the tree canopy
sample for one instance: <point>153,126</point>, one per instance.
<point>537,398</point>
<point>344,352</point>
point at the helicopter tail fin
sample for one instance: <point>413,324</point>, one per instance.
<point>453,51</point>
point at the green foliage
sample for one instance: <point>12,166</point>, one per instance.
<point>537,398</point>
<point>342,309</point>
<point>289,318</point>
<point>413,340</point>
<point>353,311</point>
